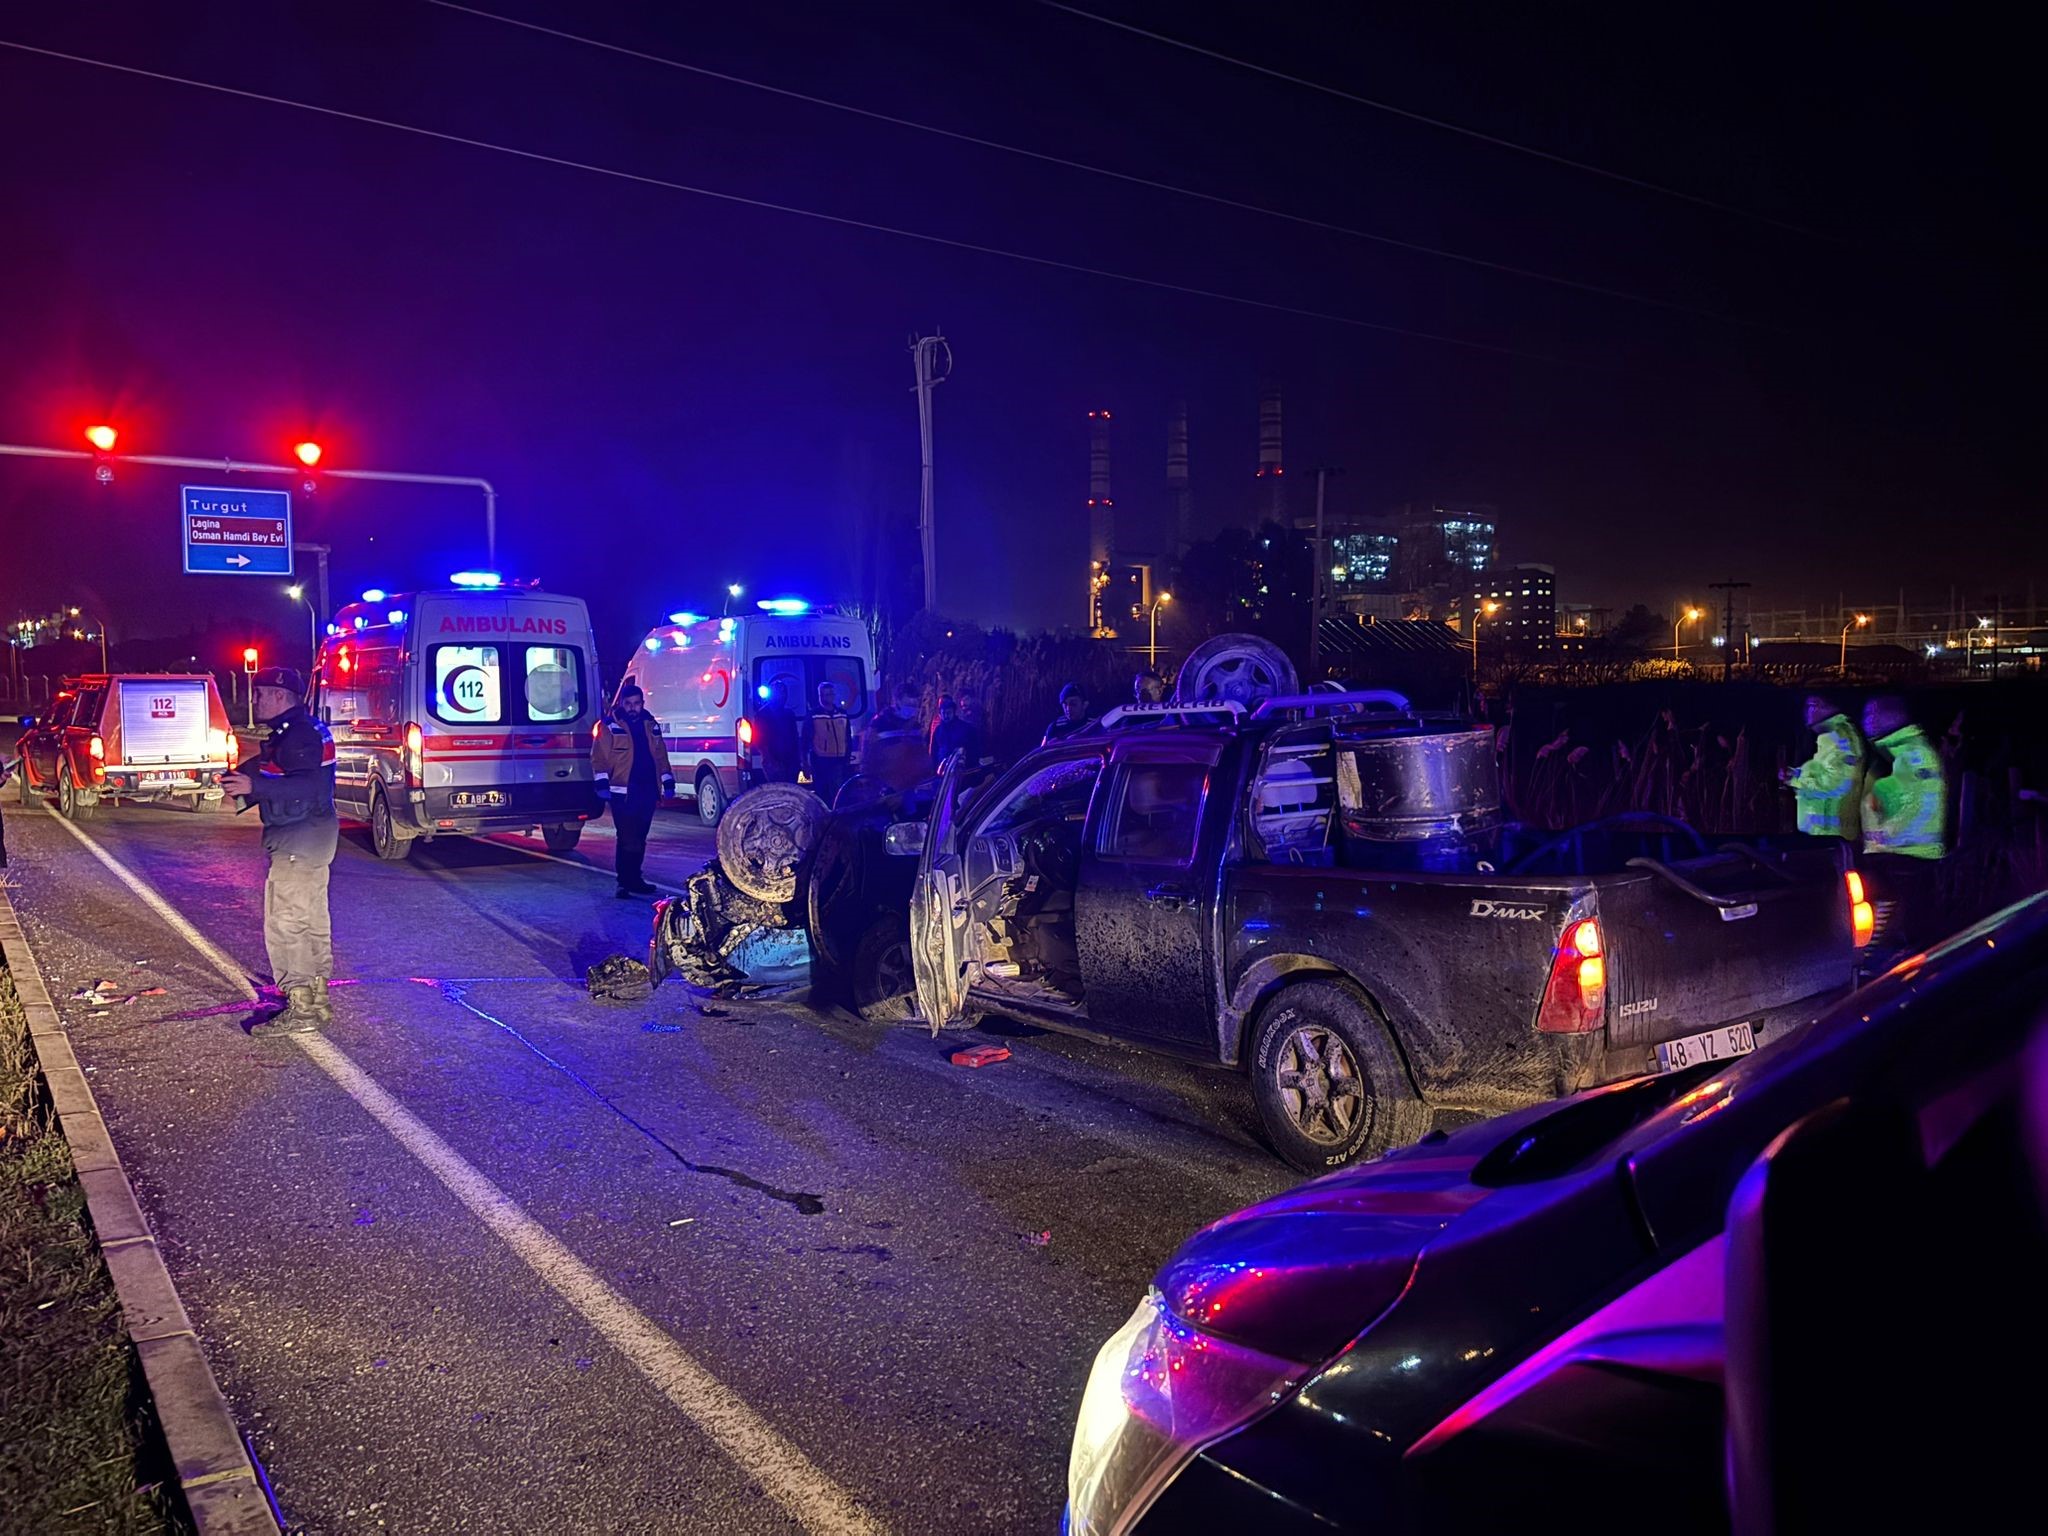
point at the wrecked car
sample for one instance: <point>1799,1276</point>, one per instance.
<point>1318,890</point>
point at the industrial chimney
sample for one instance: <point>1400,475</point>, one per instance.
<point>1272,501</point>
<point>1177,480</point>
<point>1101,516</point>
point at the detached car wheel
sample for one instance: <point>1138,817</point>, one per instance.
<point>385,838</point>
<point>1327,1080</point>
<point>765,836</point>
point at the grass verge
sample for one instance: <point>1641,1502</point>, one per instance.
<point>78,1449</point>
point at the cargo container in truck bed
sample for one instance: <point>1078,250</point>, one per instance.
<point>1320,892</point>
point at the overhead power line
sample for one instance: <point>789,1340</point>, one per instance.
<point>1639,183</point>
<point>1306,221</point>
<point>841,220</point>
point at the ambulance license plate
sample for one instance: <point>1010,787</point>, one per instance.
<point>1710,1045</point>
<point>475,799</point>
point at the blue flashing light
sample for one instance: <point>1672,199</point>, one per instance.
<point>652,642</point>
<point>396,616</point>
<point>686,617</point>
<point>788,607</point>
<point>375,595</point>
<point>362,621</point>
<point>682,642</point>
<point>762,691</point>
<point>476,579</point>
<point>726,627</point>
<point>334,629</point>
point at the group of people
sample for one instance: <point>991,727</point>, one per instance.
<point>1148,687</point>
<point>1881,787</point>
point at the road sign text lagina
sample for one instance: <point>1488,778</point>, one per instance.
<point>236,531</point>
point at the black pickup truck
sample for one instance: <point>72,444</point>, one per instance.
<point>1320,891</point>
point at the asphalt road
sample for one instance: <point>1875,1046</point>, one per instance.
<point>506,1259</point>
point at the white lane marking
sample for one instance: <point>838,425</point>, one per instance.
<point>782,1471</point>
<point>556,858</point>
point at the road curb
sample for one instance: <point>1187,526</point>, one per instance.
<point>219,1482</point>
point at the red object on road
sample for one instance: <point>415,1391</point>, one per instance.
<point>980,1055</point>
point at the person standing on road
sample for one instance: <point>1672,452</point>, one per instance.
<point>1828,787</point>
<point>774,747</point>
<point>831,743</point>
<point>629,762</point>
<point>291,784</point>
<point>952,734</point>
<point>892,748</point>
<point>1905,820</point>
<point>1073,716</point>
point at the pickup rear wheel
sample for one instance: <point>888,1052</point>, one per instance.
<point>70,802</point>
<point>1329,1085</point>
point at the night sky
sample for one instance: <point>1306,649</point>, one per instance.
<point>672,392</point>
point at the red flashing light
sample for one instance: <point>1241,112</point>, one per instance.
<point>307,454</point>
<point>102,437</point>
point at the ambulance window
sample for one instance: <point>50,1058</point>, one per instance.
<point>554,684</point>
<point>468,685</point>
<point>803,672</point>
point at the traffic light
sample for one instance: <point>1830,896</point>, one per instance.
<point>249,659</point>
<point>102,437</point>
<point>308,453</point>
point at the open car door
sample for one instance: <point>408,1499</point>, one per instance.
<point>939,909</point>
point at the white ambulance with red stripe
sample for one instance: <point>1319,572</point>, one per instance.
<point>703,675</point>
<point>461,711</point>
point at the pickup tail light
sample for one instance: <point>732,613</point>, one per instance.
<point>1575,999</point>
<point>415,756</point>
<point>1862,916</point>
<point>224,747</point>
<point>97,748</point>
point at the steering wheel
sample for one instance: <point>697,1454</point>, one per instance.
<point>1625,821</point>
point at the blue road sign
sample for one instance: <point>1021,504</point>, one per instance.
<point>234,531</point>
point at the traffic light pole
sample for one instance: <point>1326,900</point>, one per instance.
<point>241,467</point>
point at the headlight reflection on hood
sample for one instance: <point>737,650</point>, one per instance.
<point>1160,1390</point>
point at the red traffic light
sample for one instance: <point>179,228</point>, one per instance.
<point>307,454</point>
<point>249,658</point>
<point>102,437</point>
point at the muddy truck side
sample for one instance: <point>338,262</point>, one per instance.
<point>1327,900</point>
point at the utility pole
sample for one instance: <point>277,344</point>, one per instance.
<point>929,354</point>
<point>1730,587</point>
<point>1315,586</point>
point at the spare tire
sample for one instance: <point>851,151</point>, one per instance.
<point>1235,669</point>
<point>765,836</point>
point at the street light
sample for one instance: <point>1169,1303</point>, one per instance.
<point>1858,622</point>
<point>297,593</point>
<point>1489,609</point>
<point>1152,650</point>
<point>1686,617</point>
<point>732,592</point>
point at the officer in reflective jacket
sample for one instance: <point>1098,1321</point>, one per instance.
<point>1905,823</point>
<point>291,784</point>
<point>1828,786</point>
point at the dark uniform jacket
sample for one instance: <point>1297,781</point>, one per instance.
<point>291,781</point>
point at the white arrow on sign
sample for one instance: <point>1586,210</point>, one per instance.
<point>236,560</point>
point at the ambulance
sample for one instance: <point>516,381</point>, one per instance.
<point>702,675</point>
<point>461,712</point>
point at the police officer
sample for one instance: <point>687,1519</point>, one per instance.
<point>1073,716</point>
<point>1828,787</point>
<point>628,760</point>
<point>291,784</point>
<point>1905,820</point>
